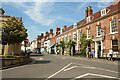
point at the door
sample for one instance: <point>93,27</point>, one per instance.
<point>99,49</point>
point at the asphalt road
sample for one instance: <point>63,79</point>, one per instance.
<point>49,66</point>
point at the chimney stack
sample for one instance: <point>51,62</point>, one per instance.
<point>64,27</point>
<point>1,11</point>
<point>57,30</point>
<point>51,31</point>
<point>42,35</point>
<point>86,12</point>
<point>89,11</point>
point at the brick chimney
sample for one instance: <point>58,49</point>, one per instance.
<point>51,31</point>
<point>88,11</point>
<point>57,30</point>
<point>1,11</point>
<point>64,27</point>
<point>42,35</point>
<point>46,34</point>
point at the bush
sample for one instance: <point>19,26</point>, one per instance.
<point>9,56</point>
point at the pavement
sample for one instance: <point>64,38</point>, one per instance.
<point>58,67</point>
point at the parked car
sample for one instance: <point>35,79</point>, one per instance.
<point>36,51</point>
<point>28,51</point>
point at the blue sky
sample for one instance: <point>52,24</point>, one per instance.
<point>39,17</point>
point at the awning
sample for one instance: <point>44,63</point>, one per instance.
<point>51,45</point>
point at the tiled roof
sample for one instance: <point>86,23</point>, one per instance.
<point>112,8</point>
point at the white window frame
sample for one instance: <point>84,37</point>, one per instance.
<point>103,12</point>
<point>97,31</point>
<point>88,33</point>
<point>112,46</point>
<point>111,27</point>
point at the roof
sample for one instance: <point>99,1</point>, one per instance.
<point>111,9</point>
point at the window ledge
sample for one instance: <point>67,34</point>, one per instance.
<point>99,36</point>
<point>113,33</point>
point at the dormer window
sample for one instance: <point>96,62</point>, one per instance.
<point>75,25</point>
<point>103,12</point>
<point>88,19</point>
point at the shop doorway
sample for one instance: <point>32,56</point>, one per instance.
<point>99,49</point>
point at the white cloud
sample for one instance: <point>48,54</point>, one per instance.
<point>103,4</point>
<point>39,12</point>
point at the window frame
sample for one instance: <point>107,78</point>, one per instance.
<point>111,30</point>
<point>114,45</point>
<point>98,31</point>
<point>103,12</point>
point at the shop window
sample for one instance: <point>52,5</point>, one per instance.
<point>115,45</point>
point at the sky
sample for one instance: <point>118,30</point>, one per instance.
<point>39,17</point>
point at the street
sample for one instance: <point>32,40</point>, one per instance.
<point>49,66</point>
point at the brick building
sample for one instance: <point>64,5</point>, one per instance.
<point>68,33</point>
<point>103,27</point>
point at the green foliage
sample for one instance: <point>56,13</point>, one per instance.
<point>62,45</point>
<point>14,30</point>
<point>69,45</point>
<point>8,56</point>
<point>84,42</point>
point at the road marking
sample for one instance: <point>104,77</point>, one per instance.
<point>88,67</point>
<point>92,74</point>
<point>80,76</point>
<point>63,58</point>
<point>92,67</point>
<point>40,58</point>
<point>58,71</point>
<point>70,68</point>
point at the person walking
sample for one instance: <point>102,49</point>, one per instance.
<point>92,53</point>
<point>87,52</point>
<point>110,54</point>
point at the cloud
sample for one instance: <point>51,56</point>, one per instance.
<point>103,4</point>
<point>39,12</point>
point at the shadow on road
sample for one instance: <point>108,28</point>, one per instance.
<point>42,62</point>
<point>36,55</point>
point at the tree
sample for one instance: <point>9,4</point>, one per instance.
<point>14,30</point>
<point>69,45</point>
<point>84,42</point>
<point>62,45</point>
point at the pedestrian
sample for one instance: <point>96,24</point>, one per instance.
<point>58,51</point>
<point>110,54</point>
<point>92,53</point>
<point>87,52</point>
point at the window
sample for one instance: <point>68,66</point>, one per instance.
<point>115,45</point>
<point>69,37</point>
<point>103,12</point>
<point>98,30</point>
<point>88,19</point>
<point>80,32</point>
<point>88,33</point>
<point>113,26</point>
